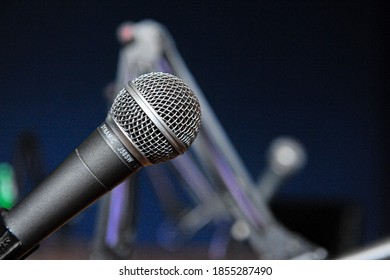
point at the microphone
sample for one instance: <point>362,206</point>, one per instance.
<point>153,119</point>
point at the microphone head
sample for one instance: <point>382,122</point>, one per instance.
<point>159,114</point>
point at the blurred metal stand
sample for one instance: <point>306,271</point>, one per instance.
<point>267,237</point>
<point>213,172</point>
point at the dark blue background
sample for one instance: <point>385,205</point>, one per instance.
<point>315,70</point>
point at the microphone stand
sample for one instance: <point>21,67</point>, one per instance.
<point>267,236</point>
<point>215,175</point>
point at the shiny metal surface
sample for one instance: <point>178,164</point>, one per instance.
<point>175,110</point>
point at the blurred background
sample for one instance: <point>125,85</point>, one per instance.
<point>315,70</point>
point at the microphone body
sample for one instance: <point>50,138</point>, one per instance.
<point>89,172</point>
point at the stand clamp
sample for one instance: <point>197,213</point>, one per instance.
<point>9,243</point>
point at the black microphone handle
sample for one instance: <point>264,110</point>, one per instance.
<point>99,164</point>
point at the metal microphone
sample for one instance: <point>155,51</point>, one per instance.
<point>154,118</point>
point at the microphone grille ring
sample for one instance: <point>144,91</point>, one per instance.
<point>175,104</point>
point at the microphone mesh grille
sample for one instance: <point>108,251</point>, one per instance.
<point>174,102</point>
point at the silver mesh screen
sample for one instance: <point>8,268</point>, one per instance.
<point>173,101</point>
